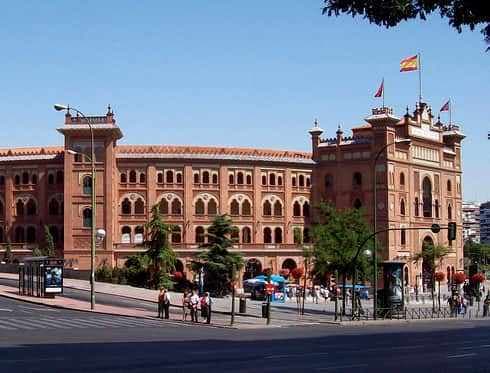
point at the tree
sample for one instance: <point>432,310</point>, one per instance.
<point>477,253</point>
<point>48,249</point>
<point>390,13</point>
<point>160,253</point>
<point>433,255</point>
<point>7,254</point>
<point>338,237</point>
<point>220,265</point>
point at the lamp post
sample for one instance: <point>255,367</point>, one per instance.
<point>375,259</point>
<point>59,107</point>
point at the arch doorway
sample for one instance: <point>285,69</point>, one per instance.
<point>427,265</point>
<point>289,264</point>
<point>253,268</point>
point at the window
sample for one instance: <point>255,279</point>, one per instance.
<point>215,178</point>
<point>19,208</point>
<point>139,206</point>
<point>402,207</point>
<point>277,208</point>
<point>199,235</point>
<point>297,236</point>
<point>205,177</point>
<point>402,179</point>
<point>126,207</point>
<point>308,182</point>
<point>296,209</point>
<point>249,179</point>
<point>293,181</point>
<point>19,234</point>
<point>436,208</point>
<point>139,233</point>
<point>176,235</point>
<point>427,197</point>
<point>50,179</point>
<point>403,237</point>
<point>2,180</point>
<point>239,178</point>
<point>169,177</point>
<point>246,235</point>
<point>87,218</point>
<point>306,209</point>
<point>34,179</point>
<point>246,208</point>
<point>31,207</point>
<point>272,179</point>
<point>53,207</point>
<point>231,179</point>
<point>267,209</point>
<point>176,207</point>
<point>357,203</point>
<point>212,207</point>
<point>449,212</point>
<point>264,180</point>
<point>279,180</point>
<point>267,235</point>
<point>328,182</point>
<point>25,178</point>
<point>163,207</point>
<point>417,212</point>
<point>449,186</point>
<point>301,180</point>
<point>132,176</point>
<point>196,178</point>
<point>235,234</point>
<point>125,235</point>
<point>142,178</point>
<point>87,185</point>
<point>17,180</point>
<point>199,207</point>
<point>278,235</point>
<point>59,177</point>
<point>357,180</point>
<point>123,178</point>
<point>159,178</point>
<point>234,208</point>
<point>179,178</point>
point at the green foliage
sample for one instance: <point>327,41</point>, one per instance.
<point>220,265</point>
<point>477,253</point>
<point>48,249</point>
<point>137,267</point>
<point>37,252</point>
<point>390,13</point>
<point>8,255</point>
<point>432,255</point>
<point>103,273</point>
<point>337,239</point>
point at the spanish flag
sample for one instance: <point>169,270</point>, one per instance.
<point>409,64</point>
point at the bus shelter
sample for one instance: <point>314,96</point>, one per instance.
<point>41,276</point>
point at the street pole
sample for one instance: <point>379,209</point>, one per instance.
<point>304,288</point>
<point>336,297</point>
<point>232,321</point>
<point>354,273</point>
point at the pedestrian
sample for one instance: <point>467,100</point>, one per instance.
<point>185,305</point>
<point>486,305</point>
<point>166,303</point>
<point>194,302</point>
<point>314,294</point>
<point>160,303</point>
<point>206,307</point>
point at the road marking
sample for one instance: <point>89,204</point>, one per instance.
<point>5,310</point>
<point>461,355</point>
<point>74,324</point>
<point>13,323</point>
<point>50,323</point>
<point>7,327</point>
<point>291,355</point>
<point>30,323</point>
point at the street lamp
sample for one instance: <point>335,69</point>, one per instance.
<point>66,108</point>
<point>375,263</point>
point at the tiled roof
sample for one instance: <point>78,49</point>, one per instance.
<point>362,127</point>
<point>212,153</point>
<point>30,154</point>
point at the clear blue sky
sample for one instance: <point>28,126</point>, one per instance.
<point>229,72</point>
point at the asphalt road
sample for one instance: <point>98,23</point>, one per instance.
<point>38,339</point>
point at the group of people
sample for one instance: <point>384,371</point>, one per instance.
<point>457,304</point>
<point>192,303</point>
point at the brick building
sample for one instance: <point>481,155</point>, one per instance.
<point>268,193</point>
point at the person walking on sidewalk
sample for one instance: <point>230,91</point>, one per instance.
<point>186,305</point>
<point>194,306</point>
<point>160,303</point>
<point>486,305</point>
<point>166,303</point>
<point>206,307</point>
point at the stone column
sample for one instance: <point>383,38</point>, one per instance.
<point>188,211</point>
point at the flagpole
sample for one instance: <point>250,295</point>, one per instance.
<point>450,112</point>
<point>383,83</point>
<point>420,78</point>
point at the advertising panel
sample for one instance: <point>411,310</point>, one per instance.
<point>53,279</point>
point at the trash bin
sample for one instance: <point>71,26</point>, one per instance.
<point>264,310</point>
<point>242,306</point>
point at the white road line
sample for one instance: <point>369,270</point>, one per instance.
<point>461,355</point>
<point>30,323</point>
<point>7,327</point>
<point>88,322</point>
<point>5,309</point>
<point>50,323</point>
<point>74,324</point>
<point>39,309</point>
<point>112,323</point>
<point>14,324</point>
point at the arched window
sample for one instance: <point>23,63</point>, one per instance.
<point>272,178</point>
<point>306,235</point>
<point>31,207</point>
<point>267,235</point>
<point>199,235</point>
<point>142,178</point>
<point>246,235</point>
<point>179,178</point>
<point>25,178</point>
<point>417,212</point>
<point>264,180</point>
<point>159,178</point>
<point>427,197</point>
<point>50,179</point>
<point>125,235</point>
<point>215,178</point>
<point>279,180</point>
<point>328,182</point>
<point>132,176</point>
<point>176,207</point>
<point>34,179</point>
<point>123,178</point>
<point>19,208</point>
<point>246,208</point>
<point>449,212</point>
<point>199,207</point>
<point>126,207</point>
<point>296,209</point>
<point>293,181</point>
<point>17,180</point>
<point>196,178</point>
<point>53,207</point>
<point>277,208</point>
<point>139,206</point>
<point>2,211</point>
<point>357,203</point>
<point>249,179</point>
<point>205,177</point>
<point>87,217</point>
<point>402,179</point>
<point>403,236</point>
<point>19,234</point>
<point>163,207</point>
<point>449,185</point>
<point>235,234</point>
<point>2,180</point>
<point>436,208</point>
<point>139,233</point>
<point>231,179</point>
<point>278,235</point>
<point>87,185</point>
<point>308,182</point>
<point>212,207</point>
<point>176,235</point>
<point>402,207</point>
<point>357,180</point>
<point>297,236</point>
<point>267,209</point>
<point>53,230</point>
<point>301,180</point>
<point>306,209</point>
<point>239,178</point>
<point>59,177</point>
<point>169,177</point>
<point>234,207</point>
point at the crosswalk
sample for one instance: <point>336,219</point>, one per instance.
<point>49,322</point>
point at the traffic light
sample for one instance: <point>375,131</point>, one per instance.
<point>451,231</point>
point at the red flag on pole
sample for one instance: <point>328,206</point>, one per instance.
<point>379,92</point>
<point>445,107</point>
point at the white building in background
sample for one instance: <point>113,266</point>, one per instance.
<point>471,221</point>
<point>485,223</point>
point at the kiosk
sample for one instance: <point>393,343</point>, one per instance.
<point>41,276</point>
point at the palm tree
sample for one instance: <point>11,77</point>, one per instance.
<point>220,265</point>
<point>433,256</point>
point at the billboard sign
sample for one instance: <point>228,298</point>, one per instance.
<point>53,279</point>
